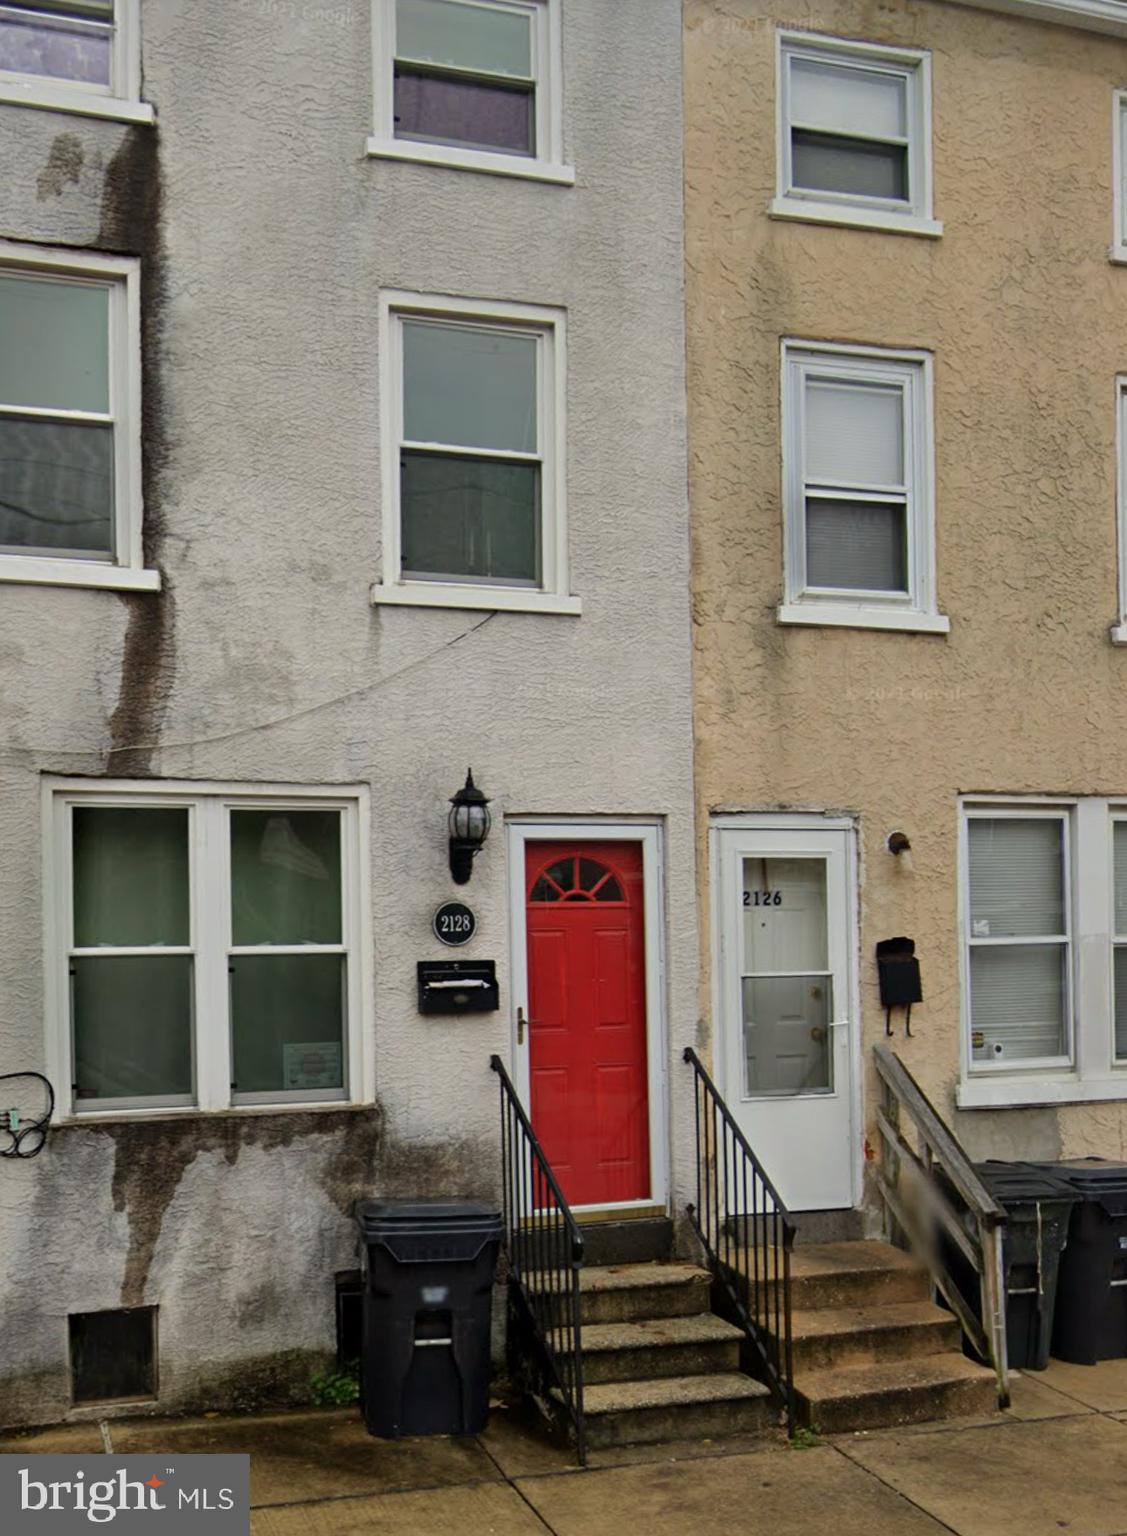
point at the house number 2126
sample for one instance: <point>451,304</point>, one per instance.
<point>763,898</point>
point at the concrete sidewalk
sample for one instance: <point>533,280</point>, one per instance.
<point>1056,1462</point>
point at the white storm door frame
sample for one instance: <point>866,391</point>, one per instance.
<point>809,1144</point>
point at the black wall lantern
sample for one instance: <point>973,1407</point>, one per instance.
<point>469,827</point>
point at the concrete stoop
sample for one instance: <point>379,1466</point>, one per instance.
<point>870,1348</point>
<point>657,1364</point>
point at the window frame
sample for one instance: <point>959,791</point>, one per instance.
<point>547,54</point>
<point>911,372</point>
<point>120,100</point>
<point>1091,1072</point>
<point>913,65</point>
<point>125,569</point>
<point>1119,628</point>
<point>553,595</point>
<point>1117,251</point>
<point>209,805</point>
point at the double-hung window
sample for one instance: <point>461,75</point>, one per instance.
<point>470,83</point>
<point>473,456</point>
<point>207,947</point>
<point>78,56</point>
<point>70,435</point>
<point>854,134</point>
<point>857,469</point>
<point>1044,939</point>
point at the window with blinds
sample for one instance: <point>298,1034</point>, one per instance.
<point>854,127</point>
<point>856,446</point>
<point>69,40</point>
<point>1019,938</point>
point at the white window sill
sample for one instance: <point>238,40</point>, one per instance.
<point>1119,633</point>
<point>848,616</point>
<point>1022,1092</point>
<point>193,1111</point>
<point>443,595</point>
<point>39,570</point>
<point>56,96</point>
<point>471,160</point>
<point>810,211</point>
<point>1117,255</point>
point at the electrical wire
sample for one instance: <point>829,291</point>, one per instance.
<point>27,1137</point>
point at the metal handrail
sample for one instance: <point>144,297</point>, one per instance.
<point>544,1247</point>
<point>746,1232</point>
<point>920,1204</point>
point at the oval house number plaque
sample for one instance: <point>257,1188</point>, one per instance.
<point>454,923</point>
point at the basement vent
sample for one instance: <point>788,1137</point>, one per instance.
<point>113,1355</point>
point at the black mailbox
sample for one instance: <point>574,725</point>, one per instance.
<point>458,986</point>
<point>899,973</point>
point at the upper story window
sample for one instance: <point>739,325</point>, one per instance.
<point>70,430</point>
<point>473,454</point>
<point>854,134</point>
<point>857,472</point>
<point>470,83</point>
<point>73,55</point>
<point>1044,916</point>
<point>207,946</point>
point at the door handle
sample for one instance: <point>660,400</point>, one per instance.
<point>521,1022</point>
<point>838,1024</point>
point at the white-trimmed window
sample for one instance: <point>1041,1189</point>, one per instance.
<point>206,948</point>
<point>1044,941</point>
<point>70,419</point>
<point>474,84</point>
<point>1119,628</point>
<point>473,455</point>
<point>1118,251</point>
<point>854,134</point>
<point>857,488</point>
<point>81,56</point>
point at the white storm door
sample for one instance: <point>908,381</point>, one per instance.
<point>787,1027</point>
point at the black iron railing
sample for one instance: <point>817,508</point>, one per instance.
<point>544,1247</point>
<point>747,1235</point>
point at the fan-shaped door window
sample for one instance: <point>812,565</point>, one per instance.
<point>576,878</point>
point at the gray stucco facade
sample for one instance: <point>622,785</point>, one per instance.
<point>266,236</point>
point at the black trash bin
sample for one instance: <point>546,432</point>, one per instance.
<point>1038,1204</point>
<point>1091,1320</point>
<point>428,1269</point>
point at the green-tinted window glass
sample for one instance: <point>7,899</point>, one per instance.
<point>469,388</point>
<point>287,1023</point>
<point>285,877</point>
<point>131,884</point>
<point>481,39</point>
<point>54,344</point>
<point>132,1026</point>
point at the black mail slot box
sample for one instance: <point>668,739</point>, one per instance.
<point>458,986</point>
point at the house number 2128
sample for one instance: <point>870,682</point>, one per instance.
<point>763,898</point>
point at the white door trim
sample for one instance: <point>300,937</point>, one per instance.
<point>647,831</point>
<point>789,821</point>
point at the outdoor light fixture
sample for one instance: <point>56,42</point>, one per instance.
<point>469,827</point>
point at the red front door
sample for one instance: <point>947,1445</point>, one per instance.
<point>587,1017</point>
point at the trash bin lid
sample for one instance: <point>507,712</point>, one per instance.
<point>426,1215</point>
<point>1102,1184</point>
<point>1015,1184</point>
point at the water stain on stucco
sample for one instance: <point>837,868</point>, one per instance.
<point>64,164</point>
<point>131,222</point>
<point>152,1157</point>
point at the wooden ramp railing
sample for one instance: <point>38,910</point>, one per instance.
<point>931,1192</point>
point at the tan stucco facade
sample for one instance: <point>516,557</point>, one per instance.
<point>1026,318</point>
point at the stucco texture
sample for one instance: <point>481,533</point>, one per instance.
<point>267,235</point>
<point>1027,321</point>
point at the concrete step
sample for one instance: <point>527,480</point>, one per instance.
<point>897,1330</point>
<point>629,1293</point>
<point>857,1274</point>
<point>643,1240</point>
<point>891,1392</point>
<point>676,1408</point>
<point>659,1347</point>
